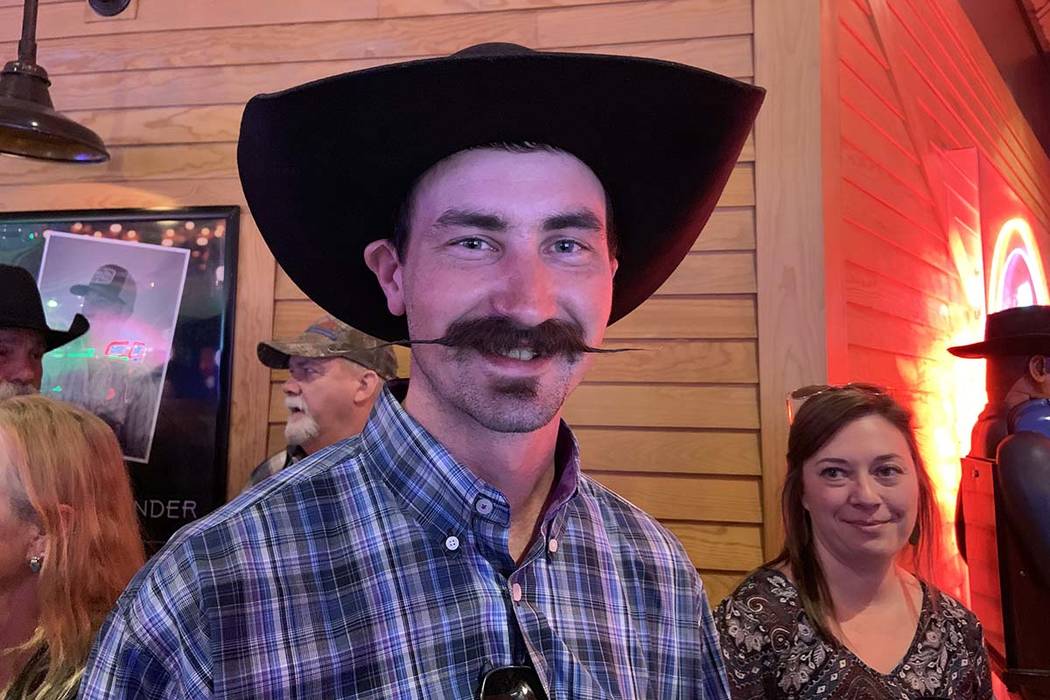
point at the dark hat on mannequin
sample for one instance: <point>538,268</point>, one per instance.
<point>325,166</point>
<point>1024,330</point>
<point>21,307</point>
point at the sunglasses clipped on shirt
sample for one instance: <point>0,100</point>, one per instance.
<point>511,683</point>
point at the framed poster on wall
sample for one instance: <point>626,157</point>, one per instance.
<point>158,288</point>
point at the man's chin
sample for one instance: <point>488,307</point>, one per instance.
<point>300,429</point>
<point>515,422</point>
<point>515,407</point>
<point>499,401</point>
<point>523,389</point>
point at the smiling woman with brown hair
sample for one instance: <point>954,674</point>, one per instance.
<point>836,614</point>
<point>69,542</point>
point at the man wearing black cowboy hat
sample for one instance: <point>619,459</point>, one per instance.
<point>24,333</point>
<point>479,206</point>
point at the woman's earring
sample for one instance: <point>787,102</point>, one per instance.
<point>36,563</point>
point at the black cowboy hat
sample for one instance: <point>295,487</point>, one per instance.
<point>326,165</point>
<point>21,307</point>
<point>1024,330</point>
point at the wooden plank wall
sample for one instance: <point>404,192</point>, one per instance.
<point>789,179</point>
<point>914,90</point>
<point>675,429</point>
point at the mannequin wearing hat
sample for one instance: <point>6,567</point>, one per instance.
<point>1013,434</point>
<point>24,333</point>
<point>1017,350</point>
<point>1017,380</point>
<point>456,548</point>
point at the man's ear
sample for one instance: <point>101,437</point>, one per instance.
<point>1037,368</point>
<point>382,259</point>
<point>368,386</point>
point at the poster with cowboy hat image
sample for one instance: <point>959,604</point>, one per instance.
<point>183,476</point>
<point>130,292</point>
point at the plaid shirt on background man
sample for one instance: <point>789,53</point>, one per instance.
<point>379,568</point>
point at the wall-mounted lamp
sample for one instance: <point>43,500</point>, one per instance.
<point>29,124</point>
<point>109,8</point>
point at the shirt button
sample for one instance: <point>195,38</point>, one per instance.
<point>483,506</point>
<point>451,543</point>
<point>552,546</point>
<point>515,592</point>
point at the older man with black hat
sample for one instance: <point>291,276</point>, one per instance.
<point>335,375</point>
<point>455,549</point>
<point>24,333</point>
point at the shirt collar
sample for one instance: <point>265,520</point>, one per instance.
<point>443,494</point>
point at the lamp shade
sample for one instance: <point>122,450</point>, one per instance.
<point>30,126</point>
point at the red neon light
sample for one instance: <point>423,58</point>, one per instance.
<point>132,350</point>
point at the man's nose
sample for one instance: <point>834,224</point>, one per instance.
<point>24,368</point>
<point>526,291</point>
<point>291,386</point>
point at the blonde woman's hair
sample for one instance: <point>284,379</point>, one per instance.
<point>70,480</point>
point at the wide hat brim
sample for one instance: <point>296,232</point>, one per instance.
<point>1022,344</point>
<point>326,165</point>
<point>54,338</point>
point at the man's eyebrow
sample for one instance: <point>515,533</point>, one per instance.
<point>471,219</point>
<point>583,219</point>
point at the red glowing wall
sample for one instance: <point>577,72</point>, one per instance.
<point>921,122</point>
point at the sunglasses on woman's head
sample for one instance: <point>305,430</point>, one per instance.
<point>799,396</point>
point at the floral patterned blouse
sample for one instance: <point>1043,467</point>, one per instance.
<point>772,650</point>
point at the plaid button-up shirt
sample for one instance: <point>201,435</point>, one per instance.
<point>379,568</point>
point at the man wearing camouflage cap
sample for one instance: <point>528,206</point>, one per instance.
<point>335,373</point>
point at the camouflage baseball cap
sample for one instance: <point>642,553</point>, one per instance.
<point>330,337</point>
